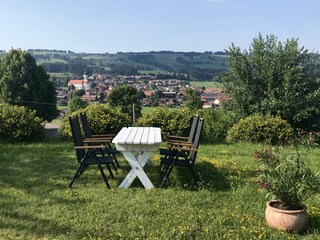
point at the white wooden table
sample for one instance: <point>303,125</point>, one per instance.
<point>141,141</point>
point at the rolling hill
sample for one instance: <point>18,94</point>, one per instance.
<point>188,65</point>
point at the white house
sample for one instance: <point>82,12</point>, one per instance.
<point>80,84</point>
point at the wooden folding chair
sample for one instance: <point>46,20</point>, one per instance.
<point>87,155</point>
<point>174,141</point>
<point>183,155</point>
<point>101,138</point>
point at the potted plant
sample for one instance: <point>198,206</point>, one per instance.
<point>285,176</point>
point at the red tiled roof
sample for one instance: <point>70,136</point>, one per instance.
<point>210,90</point>
<point>149,92</point>
<point>76,81</point>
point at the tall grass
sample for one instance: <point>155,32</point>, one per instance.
<point>226,203</point>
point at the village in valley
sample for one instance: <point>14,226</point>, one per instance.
<point>154,92</point>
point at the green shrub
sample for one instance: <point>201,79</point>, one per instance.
<point>19,123</point>
<point>259,128</point>
<point>171,121</point>
<point>217,123</point>
<point>102,119</point>
<point>77,103</point>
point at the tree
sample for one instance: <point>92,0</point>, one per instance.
<point>140,94</point>
<point>156,97</point>
<point>193,100</point>
<point>124,69</point>
<point>125,97</point>
<point>80,92</point>
<point>77,103</point>
<point>24,83</point>
<point>101,98</point>
<point>275,78</point>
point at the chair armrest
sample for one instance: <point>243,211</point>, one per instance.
<point>90,147</point>
<point>104,135</point>
<point>187,144</point>
<point>95,140</point>
<point>176,141</point>
<point>184,149</point>
<point>99,139</point>
<point>178,137</point>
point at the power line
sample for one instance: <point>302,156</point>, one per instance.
<point>43,103</point>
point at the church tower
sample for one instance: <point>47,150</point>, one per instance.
<point>86,85</point>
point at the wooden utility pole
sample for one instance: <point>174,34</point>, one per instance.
<point>133,113</point>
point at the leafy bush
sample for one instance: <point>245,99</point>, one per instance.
<point>102,119</point>
<point>126,98</point>
<point>276,78</point>
<point>19,123</point>
<point>171,121</point>
<point>286,176</point>
<point>259,128</point>
<point>77,103</point>
<point>217,123</point>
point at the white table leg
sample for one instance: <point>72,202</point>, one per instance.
<point>138,154</point>
<point>137,170</point>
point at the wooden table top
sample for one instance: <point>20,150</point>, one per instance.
<point>134,138</point>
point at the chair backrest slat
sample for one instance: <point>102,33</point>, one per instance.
<point>77,136</point>
<point>85,125</point>
<point>196,141</point>
<point>193,128</point>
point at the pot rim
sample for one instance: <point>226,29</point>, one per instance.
<point>268,204</point>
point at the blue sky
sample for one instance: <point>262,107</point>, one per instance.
<point>154,25</point>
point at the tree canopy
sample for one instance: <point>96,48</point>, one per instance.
<point>77,103</point>
<point>24,83</point>
<point>193,100</point>
<point>125,97</point>
<point>276,78</point>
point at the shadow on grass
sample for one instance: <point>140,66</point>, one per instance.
<point>314,224</point>
<point>210,178</point>
<point>34,179</point>
<point>30,224</point>
<point>38,169</point>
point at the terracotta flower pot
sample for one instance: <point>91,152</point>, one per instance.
<point>288,220</point>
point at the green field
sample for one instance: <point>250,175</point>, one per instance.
<point>147,109</point>
<point>147,72</point>
<point>52,60</point>
<point>226,203</point>
<point>60,75</point>
<point>206,84</point>
<point>57,122</point>
<point>151,109</point>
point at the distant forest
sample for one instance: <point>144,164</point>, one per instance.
<point>199,66</point>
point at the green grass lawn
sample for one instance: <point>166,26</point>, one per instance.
<point>151,109</point>
<point>147,109</point>
<point>57,121</point>
<point>206,84</point>
<point>51,60</point>
<point>60,75</point>
<point>226,204</point>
